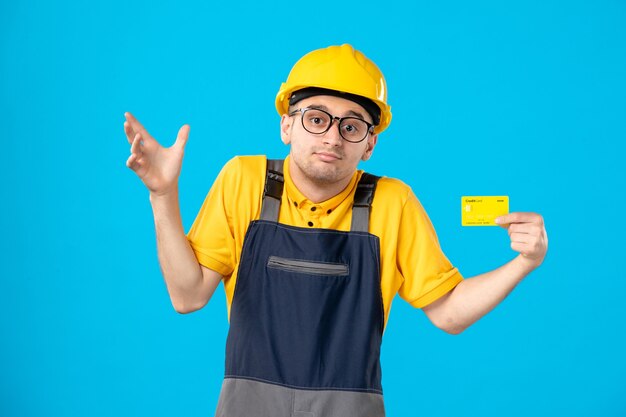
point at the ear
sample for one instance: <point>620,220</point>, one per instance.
<point>371,142</point>
<point>285,128</point>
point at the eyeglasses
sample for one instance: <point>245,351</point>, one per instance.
<point>318,121</point>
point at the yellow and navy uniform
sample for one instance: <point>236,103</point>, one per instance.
<point>412,262</point>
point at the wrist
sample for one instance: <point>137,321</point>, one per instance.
<point>528,264</point>
<point>164,196</point>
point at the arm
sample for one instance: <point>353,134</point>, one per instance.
<point>474,297</point>
<point>189,284</point>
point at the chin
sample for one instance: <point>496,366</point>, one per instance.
<point>323,173</point>
<point>323,177</point>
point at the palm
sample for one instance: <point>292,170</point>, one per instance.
<point>161,169</point>
<point>157,166</point>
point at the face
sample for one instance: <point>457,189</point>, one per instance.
<point>325,159</point>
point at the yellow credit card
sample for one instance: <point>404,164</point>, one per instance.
<point>483,210</point>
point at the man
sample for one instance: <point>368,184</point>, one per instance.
<point>312,251</point>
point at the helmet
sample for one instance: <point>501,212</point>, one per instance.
<point>340,68</point>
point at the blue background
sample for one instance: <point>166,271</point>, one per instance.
<point>524,99</point>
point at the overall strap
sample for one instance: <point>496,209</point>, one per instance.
<point>273,193</point>
<point>363,197</point>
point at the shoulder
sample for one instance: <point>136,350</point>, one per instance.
<point>245,164</point>
<point>243,169</point>
<point>393,185</point>
<point>395,196</point>
<point>392,190</point>
<point>240,185</point>
<point>242,174</point>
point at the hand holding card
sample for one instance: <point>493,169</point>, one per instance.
<point>528,235</point>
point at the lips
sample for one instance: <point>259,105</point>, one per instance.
<point>327,156</point>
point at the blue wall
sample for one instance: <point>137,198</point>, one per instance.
<point>523,99</point>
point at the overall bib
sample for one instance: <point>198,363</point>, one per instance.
<point>306,320</point>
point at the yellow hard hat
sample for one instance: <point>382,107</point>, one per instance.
<point>340,68</point>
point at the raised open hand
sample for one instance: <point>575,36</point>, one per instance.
<point>157,166</point>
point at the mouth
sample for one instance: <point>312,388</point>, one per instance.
<point>328,156</point>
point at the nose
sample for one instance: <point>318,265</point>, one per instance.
<point>332,136</point>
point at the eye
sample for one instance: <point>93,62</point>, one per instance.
<point>350,128</point>
<point>316,119</point>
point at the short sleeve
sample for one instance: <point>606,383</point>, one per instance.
<point>427,273</point>
<point>212,234</point>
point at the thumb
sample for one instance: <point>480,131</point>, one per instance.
<point>183,135</point>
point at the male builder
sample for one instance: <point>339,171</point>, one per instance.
<point>312,251</point>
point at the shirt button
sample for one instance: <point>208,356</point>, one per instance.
<point>295,203</point>
<point>313,208</point>
<point>311,224</point>
<point>328,212</point>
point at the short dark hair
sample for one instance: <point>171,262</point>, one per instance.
<point>370,107</point>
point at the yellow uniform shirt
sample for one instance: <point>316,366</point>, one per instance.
<point>412,263</point>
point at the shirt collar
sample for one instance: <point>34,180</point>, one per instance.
<point>296,198</point>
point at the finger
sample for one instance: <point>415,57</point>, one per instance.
<point>528,228</point>
<point>532,249</point>
<point>136,147</point>
<point>521,238</point>
<point>131,162</point>
<point>130,133</point>
<point>183,135</point>
<point>519,217</point>
<point>522,248</point>
<point>136,126</point>
<point>137,163</point>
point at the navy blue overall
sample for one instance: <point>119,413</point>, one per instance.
<point>306,320</point>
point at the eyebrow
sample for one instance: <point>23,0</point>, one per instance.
<point>349,113</point>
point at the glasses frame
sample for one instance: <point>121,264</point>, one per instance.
<point>370,127</point>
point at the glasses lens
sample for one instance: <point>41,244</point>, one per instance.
<point>316,121</point>
<point>353,129</point>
